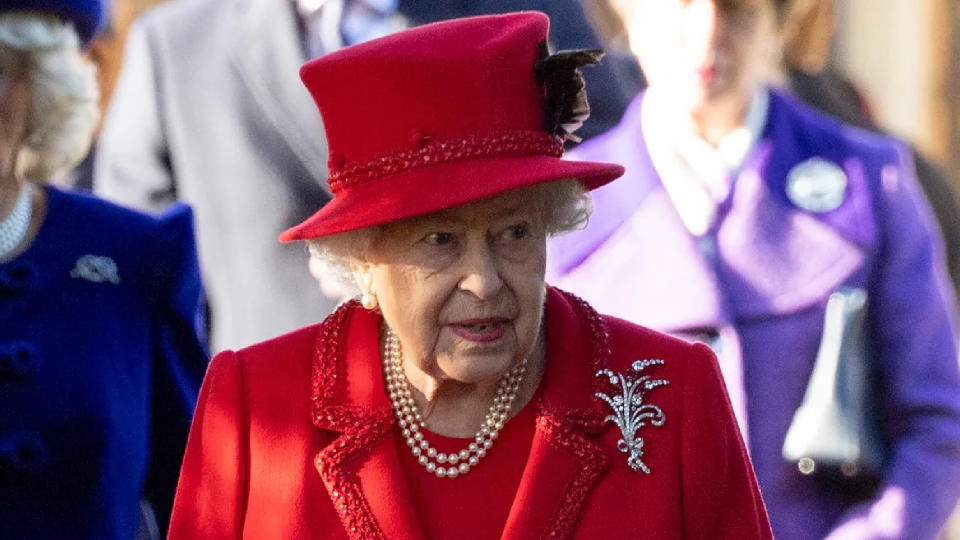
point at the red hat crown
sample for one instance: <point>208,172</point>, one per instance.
<point>442,91</point>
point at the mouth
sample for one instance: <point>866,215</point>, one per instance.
<point>706,74</point>
<point>481,330</point>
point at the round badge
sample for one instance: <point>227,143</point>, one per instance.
<point>817,185</point>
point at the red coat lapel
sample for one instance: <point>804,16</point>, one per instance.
<point>360,468</point>
<point>565,463</point>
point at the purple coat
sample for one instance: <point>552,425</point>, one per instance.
<point>762,284</point>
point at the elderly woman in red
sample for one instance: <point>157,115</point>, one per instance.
<point>461,397</point>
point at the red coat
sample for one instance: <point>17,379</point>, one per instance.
<point>292,439</point>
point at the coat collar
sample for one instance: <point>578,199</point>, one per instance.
<point>764,257</point>
<point>361,469</point>
<point>268,53</point>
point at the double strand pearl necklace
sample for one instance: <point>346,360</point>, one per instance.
<point>14,227</point>
<point>411,422</point>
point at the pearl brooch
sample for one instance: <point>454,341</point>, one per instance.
<point>441,464</point>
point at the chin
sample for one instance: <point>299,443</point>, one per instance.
<point>477,368</point>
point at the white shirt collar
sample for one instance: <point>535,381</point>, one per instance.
<point>323,21</point>
<point>307,8</point>
<point>321,24</point>
<point>698,176</point>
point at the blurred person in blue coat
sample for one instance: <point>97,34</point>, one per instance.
<point>101,353</point>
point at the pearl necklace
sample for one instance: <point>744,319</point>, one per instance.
<point>14,227</point>
<point>411,422</point>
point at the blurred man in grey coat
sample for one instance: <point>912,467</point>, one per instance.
<point>209,110</point>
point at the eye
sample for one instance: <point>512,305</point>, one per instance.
<point>439,238</point>
<point>519,231</point>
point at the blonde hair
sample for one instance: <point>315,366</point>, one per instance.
<point>565,204</point>
<point>64,95</point>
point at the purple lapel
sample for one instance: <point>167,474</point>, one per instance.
<point>616,201</point>
<point>773,257</point>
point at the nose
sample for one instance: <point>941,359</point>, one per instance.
<point>701,25</point>
<point>480,272</point>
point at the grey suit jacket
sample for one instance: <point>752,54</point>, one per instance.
<point>209,109</point>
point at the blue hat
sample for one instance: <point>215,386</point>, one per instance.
<point>85,15</point>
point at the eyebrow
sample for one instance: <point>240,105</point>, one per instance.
<point>518,207</point>
<point>448,216</point>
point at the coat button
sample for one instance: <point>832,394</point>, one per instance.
<point>22,454</point>
<point>18,362</point>
<point>18,276</point>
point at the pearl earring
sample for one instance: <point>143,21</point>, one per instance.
<point>368,301</point>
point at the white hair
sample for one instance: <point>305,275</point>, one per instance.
<point>565,204</point>
<point>64,94</point>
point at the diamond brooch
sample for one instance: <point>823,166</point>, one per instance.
<point>630,413</point>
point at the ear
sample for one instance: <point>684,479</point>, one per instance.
<point>363,276</point>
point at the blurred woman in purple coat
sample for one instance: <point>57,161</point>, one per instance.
<point>802,251</point>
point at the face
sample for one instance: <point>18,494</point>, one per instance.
<point>14,106</point>
<point>702,52</point>
<point>463,288</point>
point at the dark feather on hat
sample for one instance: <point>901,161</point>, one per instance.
<point>565,95</point>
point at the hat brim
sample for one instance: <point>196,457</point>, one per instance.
<point>422,191</point>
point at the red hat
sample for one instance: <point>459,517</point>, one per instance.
<point>438,116</point>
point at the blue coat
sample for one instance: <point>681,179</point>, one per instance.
<point>759,282</point>
<point>100,364</point>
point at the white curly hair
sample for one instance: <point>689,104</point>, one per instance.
<point>565,204</point>
<point>64,110</point>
